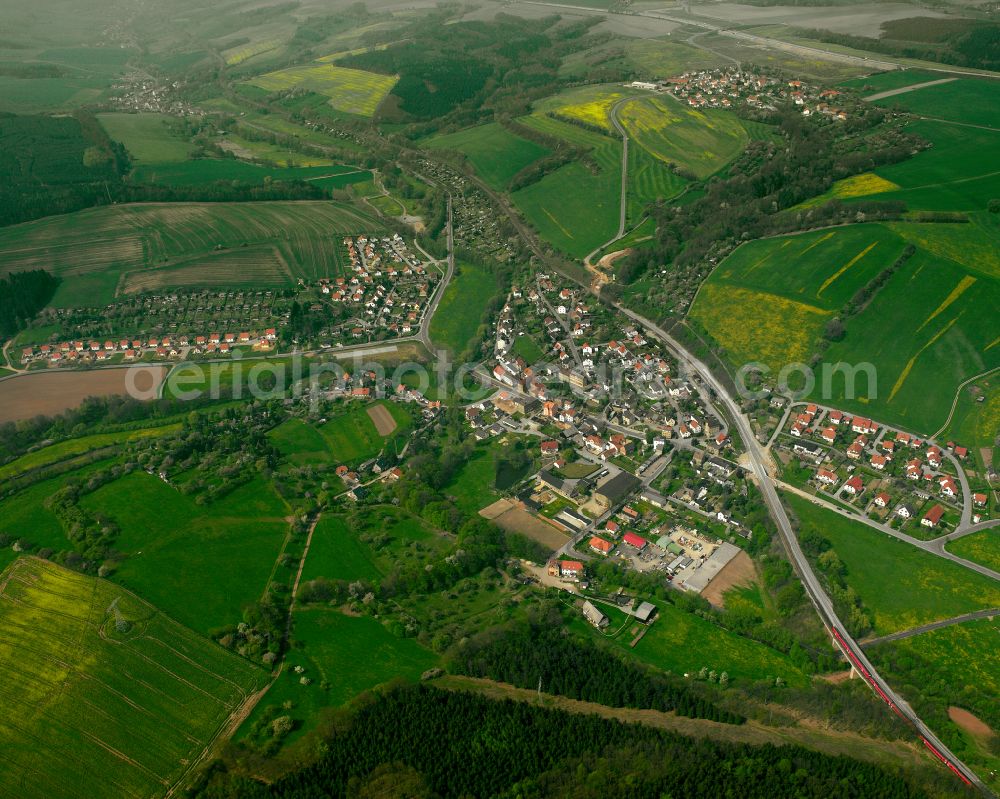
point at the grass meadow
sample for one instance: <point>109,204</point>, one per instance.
<point>351,436</point>
<point>91,710</point>
<point>341,656</point>
<point>973,102</point>
<point>682,643</point>
<point>495,152</point>
<point>198,563</point>
<point>903,586</point>
<point>463,306</point>
<point>982,547</point>
<point>574,208</point>
<point>209,170</point>
<point>148,138</point>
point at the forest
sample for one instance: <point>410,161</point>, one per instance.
<point>424,742</point>
<point>526,654</point>
<point>22,295</point>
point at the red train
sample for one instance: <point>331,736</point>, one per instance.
<point>859,666</point>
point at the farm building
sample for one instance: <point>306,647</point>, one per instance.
<point>645,613</point>
<point>594,616</point>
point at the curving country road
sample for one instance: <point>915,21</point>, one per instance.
<point>814,589</point>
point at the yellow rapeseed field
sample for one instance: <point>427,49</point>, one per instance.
<point>758,326</point>
<point>596,112</point>
<point>862,185</point>
<point>352,91</point>
<point>244,52</point>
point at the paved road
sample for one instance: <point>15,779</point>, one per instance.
<point>814,589</point>
<point>623,202</point>
<point>937,625</point>
<point>425,323</point>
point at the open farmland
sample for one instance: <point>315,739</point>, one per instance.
<point>463,307</point>
<point>201,564</point>
<point>251,267</point>
<point>901,585</point>
<point>951,175</point>
<point>495,152</point>
<point>209,170</point>
<point>573,208</point>
<point>92,250</point>
<point>94,710</point>
<point>147,137</point>
<point>50,393</point>
<point>973,102</point>
<point>352,91</point>
<point>771,299</point>
<point>590,105</point>
<point>701,141</point>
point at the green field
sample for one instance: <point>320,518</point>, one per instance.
<point>649,180</point>
<point>92,250</point>
<point>590,105</point>
<point>495,152</point>
<point>929,326</point>
<point>975,424</point>
<point>339,553</point>
<point>463,306</point>
<point>299,442</point>
<point>200,564</point>
<point>77,446</point>
<point>973,102</point>
<point>886,81</point>
<point>981,548</point>
<point>352,437</point>
<point>955,666</point>
<point>341,656</point>
<point>352,91</point>
<point>91,710</point>
<point>701,141</point>
<point>655,59</point>
<point>210,170</point>
<point>770,299</point>
<point>573,208</point>
<point>903,586</point>
<point>148,138</point>
<point>951,175</point>
<point>26,516</point>
<point>336,553</point>
<point>682,643</point>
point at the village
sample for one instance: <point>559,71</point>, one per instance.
<point>383,294</point>
<point>889,475</point>
<point>732,88</point>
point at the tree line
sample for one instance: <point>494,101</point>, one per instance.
<point>425,742</point>
<point>527,655</point>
